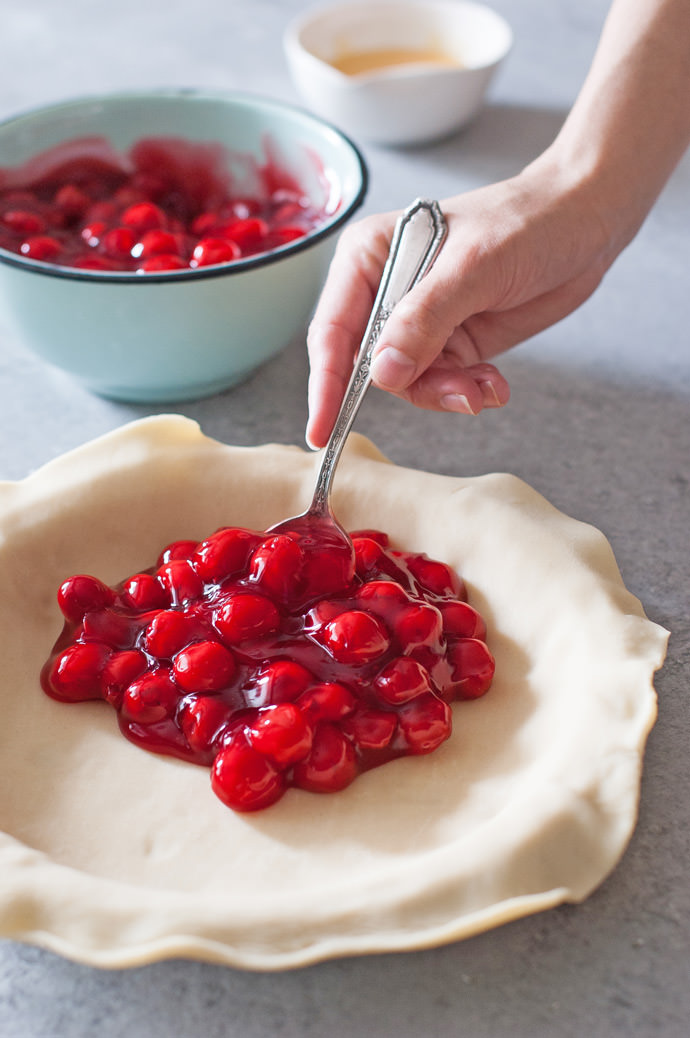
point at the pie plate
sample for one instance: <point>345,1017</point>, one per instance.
<point>115,857</point>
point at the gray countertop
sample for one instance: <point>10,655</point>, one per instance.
<point>599,422</point>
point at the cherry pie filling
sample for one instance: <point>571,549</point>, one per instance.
<point>168,204</point>
<point>275,659</point>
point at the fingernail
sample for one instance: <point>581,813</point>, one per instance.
<point>489,393</point>
<point>456,402</point>
<point>307,438</point>
<point>392,369</point>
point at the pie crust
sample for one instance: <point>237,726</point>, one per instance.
<point>116,857</point>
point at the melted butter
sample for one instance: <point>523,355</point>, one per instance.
<point>354,63</point>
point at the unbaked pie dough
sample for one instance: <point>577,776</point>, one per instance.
<point>114,856</point>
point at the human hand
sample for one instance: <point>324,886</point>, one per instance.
<point>519,256</point>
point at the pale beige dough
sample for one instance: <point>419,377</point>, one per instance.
<point>113,856</point>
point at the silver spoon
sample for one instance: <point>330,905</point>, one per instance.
<point>418,236</point>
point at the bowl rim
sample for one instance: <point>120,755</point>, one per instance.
<point>239,266</point>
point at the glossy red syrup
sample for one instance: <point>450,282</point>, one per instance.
<point>274,659</point>
<point>168,204</point>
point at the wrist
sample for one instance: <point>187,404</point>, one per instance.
<point>587,180</point>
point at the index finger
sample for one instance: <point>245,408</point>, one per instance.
<point>341,317</point>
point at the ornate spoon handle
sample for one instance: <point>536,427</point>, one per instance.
<point>419,234</point>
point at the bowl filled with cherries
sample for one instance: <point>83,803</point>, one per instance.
<point>161,246</point>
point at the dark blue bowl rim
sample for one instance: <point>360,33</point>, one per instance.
<point>219,270</point>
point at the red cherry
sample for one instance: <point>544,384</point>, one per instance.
<point>460,620</point>
<point>401,680</point>
<point>166,261</point>
<point>205,224</point>
<point>177,550</point>
<point>322,612</point>
<point>331,764</point>
<point>204,667</point>
<point>144,216</point>
<point>436,577</point>
<point>368,556</point>
<point>203,720</point>
<point>72,201</point>
<point>171,630</point>
<point>419,624</point>
<point>75,674</point>
<point>180,580</point>
<point>248,234</point>
<point>329,701</point>
<point>327,569</point>
<point>355,637</point>
<point>283,236</point>
<point>144,592</point>
<point>245,779</point>
<point>281,681</point>
<point>104,211</point>
<point>155,243</point>
<point>210,251</point>
<point>93,262</point>
<point>370,729</point>
<point>93,232</point>
<point>41,247</point>
<point>80,594</point>
<point>118,630</point>
<point>383,597</point>
<point>281,733</point>
<point>225,553</point>
<point>22,221</point>
<point>245,615</point>
<point>373,535</point>
<point>118,242</point>
<point>472,668</point>
<point>121,669</point>
<point>276,566</point>
<point>425,723</point>
<point>150,698</point>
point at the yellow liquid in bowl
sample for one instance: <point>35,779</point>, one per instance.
<point>354,63</point>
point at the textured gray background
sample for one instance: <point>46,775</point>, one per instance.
<point>598,423</point>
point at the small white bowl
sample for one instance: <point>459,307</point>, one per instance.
<point>397,103</point>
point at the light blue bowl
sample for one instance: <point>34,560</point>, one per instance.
<point>178,335</point>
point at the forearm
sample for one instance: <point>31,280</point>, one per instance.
<point>631,122</point>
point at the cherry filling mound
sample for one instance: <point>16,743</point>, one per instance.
<point>168,204</point>
<point>276,659</point>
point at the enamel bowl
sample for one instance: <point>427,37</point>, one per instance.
<point>179,334</point>
<point>461,46</point>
